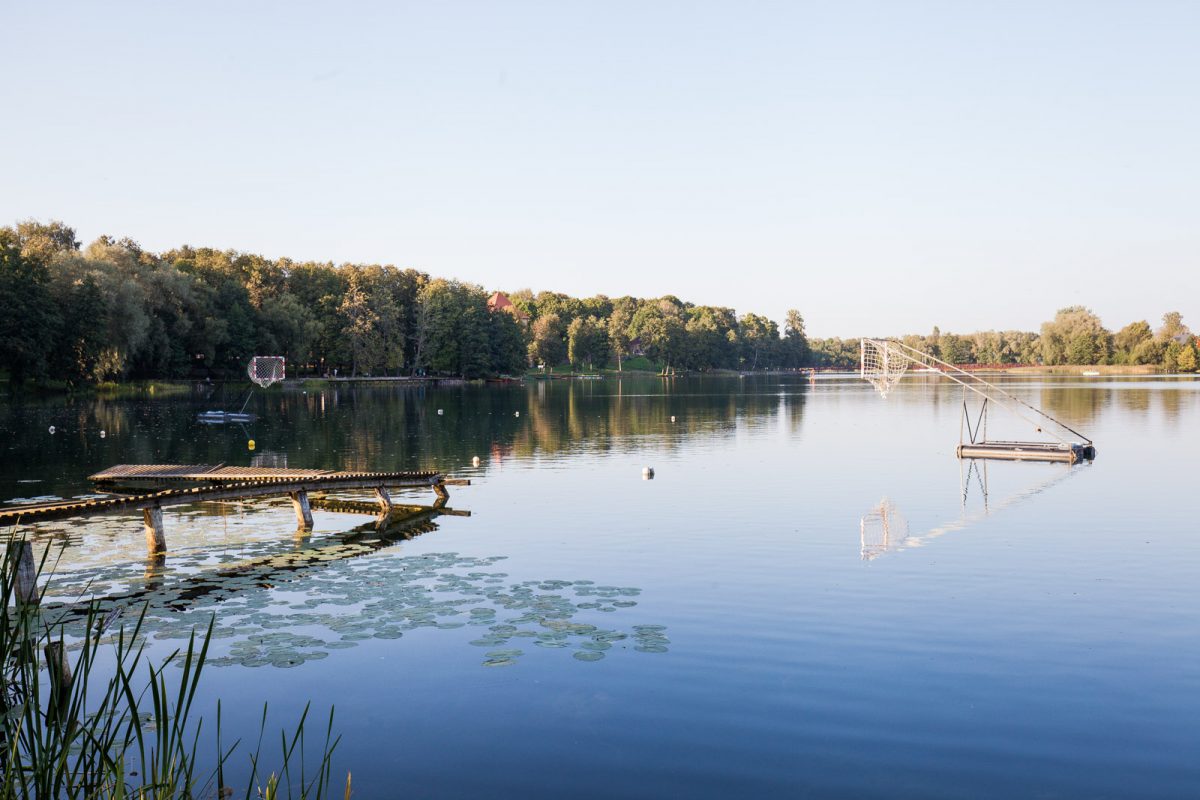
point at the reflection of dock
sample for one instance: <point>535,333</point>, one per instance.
<point>158,486</point>
<point>403,524</point>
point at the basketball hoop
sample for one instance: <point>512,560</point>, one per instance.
<point>266,370</point>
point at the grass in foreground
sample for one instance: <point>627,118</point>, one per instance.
<point>67,732</point>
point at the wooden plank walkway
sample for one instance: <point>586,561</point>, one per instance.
<point>125,474</point>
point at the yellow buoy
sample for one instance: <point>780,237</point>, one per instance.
<point>250,444</point>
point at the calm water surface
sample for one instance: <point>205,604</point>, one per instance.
<point>812,597</point>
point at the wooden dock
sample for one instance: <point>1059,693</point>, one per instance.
<point>150,488</point>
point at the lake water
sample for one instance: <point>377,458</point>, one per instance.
<point>812,597</point>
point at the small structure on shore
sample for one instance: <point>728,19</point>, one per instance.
<point>499,302</point>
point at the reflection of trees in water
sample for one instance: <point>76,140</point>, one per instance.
<point>1075,405</point>
<point>1133,399</point>
<point>34,451</point>
<point>1174,400</point>
<point>371,427</point>
<point>383,427</point>
<point>601,416</point>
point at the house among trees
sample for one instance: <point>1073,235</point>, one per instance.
<point>500,302</point>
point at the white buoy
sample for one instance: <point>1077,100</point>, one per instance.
<point>672,418</point>
<point>103,434</point>
<point>51,430</point>
<point>439,412</point>
<point>516,413</point>
<point>475,461</point>
<point>647,473</point>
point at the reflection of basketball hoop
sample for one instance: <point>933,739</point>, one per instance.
<point>266,370</point>
<point>883,528</point>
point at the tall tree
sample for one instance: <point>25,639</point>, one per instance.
<point>1173,327</point>
<point>795,339</point>
<point>1127,341</point>
<point>1075,333</point>
<point>546,345</point>
<point>506,339</point>
<point>619,323</point>
<point>29,323</point>
<point>587,341</point>
<point>758,335</point>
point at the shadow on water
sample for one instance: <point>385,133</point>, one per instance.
<point>291,602</point>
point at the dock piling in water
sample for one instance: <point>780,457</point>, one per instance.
<point>304,517</point>
<point>20,558</point>
<point>385,500</point>
<point>156,538</point>
<point>61,680</point>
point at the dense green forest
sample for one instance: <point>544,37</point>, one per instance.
<point>113,311</point>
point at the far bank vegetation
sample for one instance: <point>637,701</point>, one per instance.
<point>113,311</point>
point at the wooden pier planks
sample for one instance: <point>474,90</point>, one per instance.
<point>201,473</point>
<point>264,484</point>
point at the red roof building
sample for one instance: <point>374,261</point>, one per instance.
<point>500,302</point>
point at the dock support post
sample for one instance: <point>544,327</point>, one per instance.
<point>156,539</point>
<point>20,560</point>
<point>61,680</point>
<point>304,516</point>
<point>385,500</point>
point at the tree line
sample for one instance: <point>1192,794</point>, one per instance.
<point>1075,336</point>
<point>113,311</point>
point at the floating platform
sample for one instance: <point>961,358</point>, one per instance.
<point>1069,453</point>
<point>223,417</point>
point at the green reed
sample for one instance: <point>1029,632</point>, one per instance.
<point>68,731</point>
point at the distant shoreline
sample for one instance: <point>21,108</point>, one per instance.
<point>174,387</point>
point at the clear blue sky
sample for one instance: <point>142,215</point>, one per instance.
<point>883,167</point>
